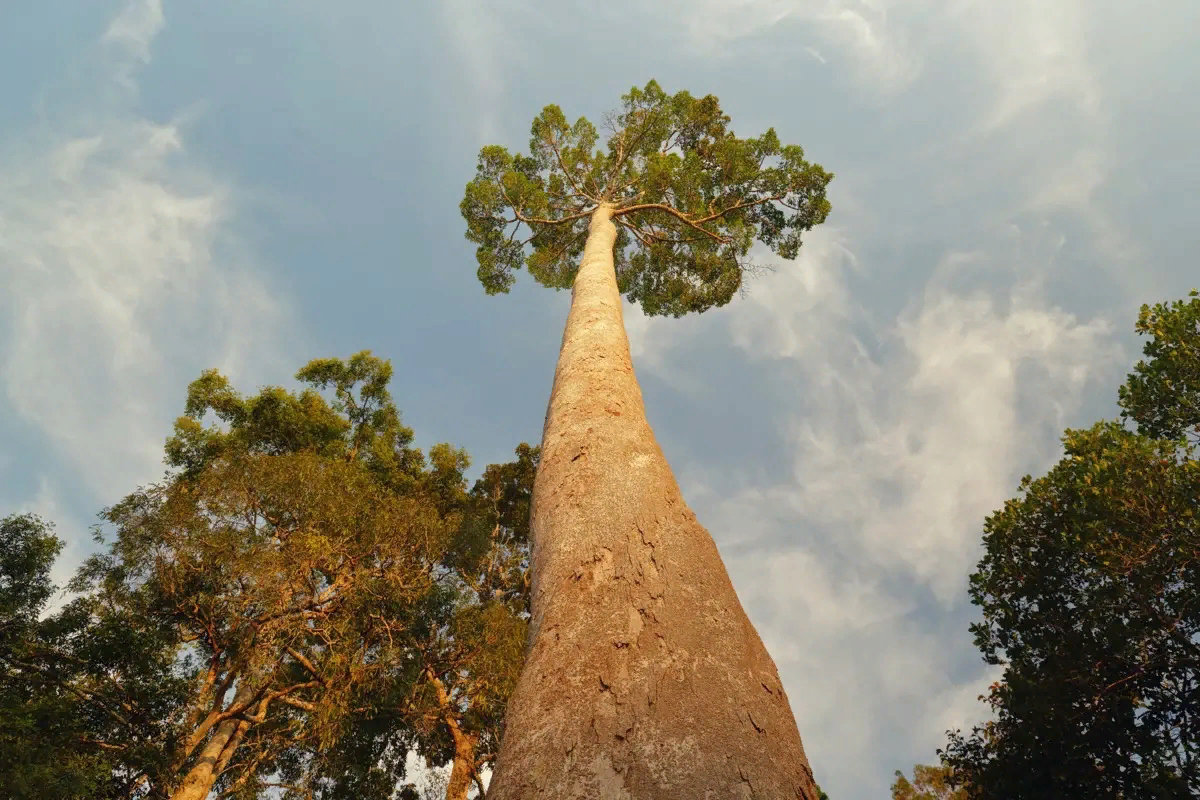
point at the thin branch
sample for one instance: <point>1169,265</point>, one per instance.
<point>540,221</point>
<point>623,152</point>
<point>710,217</point>
<point>554,145</point>
<point>678,215</point>
<point>304,662</point>
<point>296,702</point>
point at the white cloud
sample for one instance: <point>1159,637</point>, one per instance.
<point>905,432</point>
<point>136,26</point>
<point>1032,52</point>
<point>943,423</point>
<point>861,31</point>
<point>124,277</point>
<point>130,34</point>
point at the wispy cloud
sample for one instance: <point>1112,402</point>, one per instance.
<point>124,278</point>
<point>860,33</point>
<point>135,27</point>
<point>905,433</point>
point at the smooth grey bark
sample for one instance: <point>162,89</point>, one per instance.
<point>644,678</point>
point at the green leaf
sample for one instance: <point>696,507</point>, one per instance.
<point>690,199</point>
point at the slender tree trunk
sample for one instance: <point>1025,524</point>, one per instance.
<point>463,769</point>
<point>644,678</point>
<point>214,757</point>
<point>203,774</point>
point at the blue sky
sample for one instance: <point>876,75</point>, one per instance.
<point>252,184</point>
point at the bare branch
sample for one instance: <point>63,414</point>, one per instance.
<point>296,702</point>
<point>695,223</point>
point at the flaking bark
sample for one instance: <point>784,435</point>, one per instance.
<point>644,677</point>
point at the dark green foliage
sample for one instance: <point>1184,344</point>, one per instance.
<point>40,747</point>
<point>1090,592</point>
<point>87,693</point>
<point>28,552</point>
<point>1162,395</point>
<point>689,200</point>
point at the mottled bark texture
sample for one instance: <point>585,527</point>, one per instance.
<point>644,677</point>
<point>463,768</point>
<point>213,759</point>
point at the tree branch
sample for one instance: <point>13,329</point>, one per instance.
<point>296,702</point>
<point>554,146</point>
<point>540,221</point>
<point>696,223</point>
<point>304,662</point>
<point>684,218</point>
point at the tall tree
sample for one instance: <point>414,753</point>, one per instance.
<point>328,596</point>
<point>644,677</point>
<point>1090,592</point>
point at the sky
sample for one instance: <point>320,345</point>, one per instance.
<point>248,185</point>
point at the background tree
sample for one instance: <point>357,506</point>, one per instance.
<point>295,580</point>
<point>473,661</point>
<point>928,783</point>
<point>1162,395</point>
<point>86,697</point>
<point>42,748</point>
<point>1090,593</point>
<point>280,611</point>
<point>643,677</point>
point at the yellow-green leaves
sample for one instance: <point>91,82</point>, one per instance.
<point>928,783</point>
<point>690,200</point>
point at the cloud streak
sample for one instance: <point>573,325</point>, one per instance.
<point>125,278</point>
<point>904,434</point>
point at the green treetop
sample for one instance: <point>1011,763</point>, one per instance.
<point>689,199</point>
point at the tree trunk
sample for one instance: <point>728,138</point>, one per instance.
<point>462,770</point>
<point>204,774</point>
<point>214,757</point>
<point>644,678</point>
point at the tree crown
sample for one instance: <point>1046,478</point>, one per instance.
<point>689,199</point>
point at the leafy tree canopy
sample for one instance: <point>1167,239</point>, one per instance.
<point>1090,593</point>
<point>1162,394</point>
<point>301,601</point>
<point>29,550</point>
<point>688,196</point>
<point>83,699</point>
